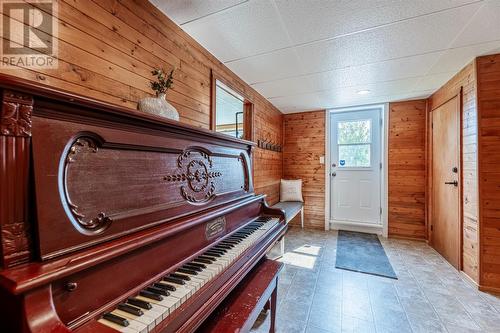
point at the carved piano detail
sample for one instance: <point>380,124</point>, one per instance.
<point>142,224</point>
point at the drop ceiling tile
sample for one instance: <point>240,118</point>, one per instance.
<point>434,81</point>
<point>182,11</point>
<point>325,18</point>
<point>390,70</point>
<point>453,60</point>
<point>352,76</point>
<point>272,66</point>
<point>423,35</point>
<point>376,89</point>
<point>245,30</point>
<point>484,26</point>
<point>285,87</point>
<point>331,102</point>
<point>296,103</point>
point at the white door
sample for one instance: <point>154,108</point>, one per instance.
<point>355,167</point>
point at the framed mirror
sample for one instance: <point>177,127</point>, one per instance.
<point>231,110</point>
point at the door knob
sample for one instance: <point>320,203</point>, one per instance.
<point>454,183</point>
<point>334,174</point>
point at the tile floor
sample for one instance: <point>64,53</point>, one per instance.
<point>429,296</point>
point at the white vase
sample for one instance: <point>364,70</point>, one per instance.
<point>158,106</point>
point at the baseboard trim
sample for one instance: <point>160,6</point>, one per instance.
<point>469,279</point>
<point>408,238</point>
<point>493,290</point>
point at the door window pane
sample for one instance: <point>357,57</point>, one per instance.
<point>354,131</point>
<point>354,143</point>
<point>354,156</point>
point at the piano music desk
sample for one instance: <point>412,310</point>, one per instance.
<point>240,309</point>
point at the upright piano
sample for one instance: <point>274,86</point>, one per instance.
<point>113,220</point>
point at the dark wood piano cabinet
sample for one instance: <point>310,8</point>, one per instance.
<point>98,202</point>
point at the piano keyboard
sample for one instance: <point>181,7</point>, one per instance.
<point>141,313</point>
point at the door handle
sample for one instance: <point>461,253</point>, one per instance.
<point>454,183</point>
<point>334,174</point>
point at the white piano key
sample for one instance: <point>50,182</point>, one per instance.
<point>144,319</point>
<point>117,327</point>
<point>155,311</point>
<point>134,324</point>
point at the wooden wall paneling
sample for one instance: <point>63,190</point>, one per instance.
<point>488,97</point>
<point>465,80</point>
<point>268,168</point>
<point>303,146</point>
<point>107,49</point>
<point>407,169</point>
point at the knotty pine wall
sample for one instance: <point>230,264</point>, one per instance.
<point>407,169</point>
<point>304,143</point>
<point>488,97</point>
<point>107,49</point>
<point>466,80</point>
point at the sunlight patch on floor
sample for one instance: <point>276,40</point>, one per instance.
<point>304,256</point>
<point>308,249</point>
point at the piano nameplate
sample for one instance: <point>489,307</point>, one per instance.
<point>215,228</point>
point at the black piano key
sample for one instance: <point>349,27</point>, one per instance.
<point>173,280</point>
<point>116,319</point>
<point>180,276</point>
<point>235,239</point>
<point>249,228</point>
<point>130,309</point>
<point>192,267</point>
<point>226,245</point>
<point>165,286</point>
<point>158,291</point>
<point>202,261</point>
<point>150,295</point>
<point>197,264</point>
<point>139,303</point>
<point>228,241</point>
<point>212,254</point>
<point>187,271</point>
<point>219,251</point>
<point>210,259</point>
<point>222,246</point>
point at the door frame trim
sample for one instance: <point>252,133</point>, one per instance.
<point>384,158</point>
<point>458,93</point>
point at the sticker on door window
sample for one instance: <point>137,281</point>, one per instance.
<point>342,162</point>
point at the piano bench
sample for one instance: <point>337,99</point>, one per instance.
<point>239,311</point>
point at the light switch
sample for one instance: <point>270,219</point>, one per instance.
<point>322,160</point>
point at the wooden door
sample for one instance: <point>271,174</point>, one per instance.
<point>445,234</point>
